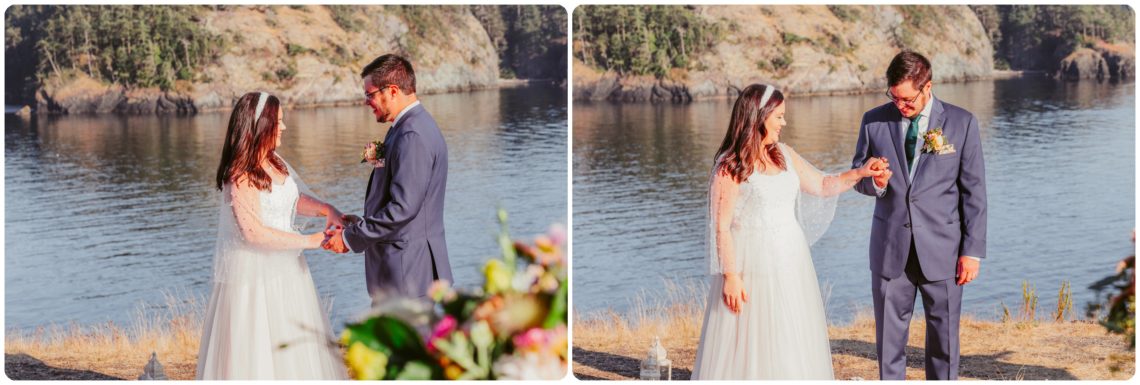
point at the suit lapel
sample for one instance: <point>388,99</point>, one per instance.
<point>937,119</point>
<point>397,126</point>
<point>897,138</point>
<point>368,190</point>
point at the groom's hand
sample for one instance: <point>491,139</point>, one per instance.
<point>334,241</point>
<point>882,180</point>
<point>350,219</point>
<point>967,269</point>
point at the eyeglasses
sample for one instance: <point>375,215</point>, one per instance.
<point>909,102</point>
<point>368,96</point>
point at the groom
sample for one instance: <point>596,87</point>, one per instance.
<point>401,231</point>
<point>929,227</point>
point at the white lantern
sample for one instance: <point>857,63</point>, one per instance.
<point>656,360</point>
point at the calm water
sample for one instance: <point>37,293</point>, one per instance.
<point>1060,168</point>
<point>104,214</point>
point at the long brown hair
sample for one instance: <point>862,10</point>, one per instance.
<point>250,140</point>
<point>742,147</point>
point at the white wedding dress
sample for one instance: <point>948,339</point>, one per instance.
<point>781,331</point>
<point>264,320</point>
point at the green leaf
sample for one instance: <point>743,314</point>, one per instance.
<point>396,334</point>
<point>462,307</point>
<point>557,314</point>
<point>481,335</point>
<point>458,349</point>
<point>362,332</point>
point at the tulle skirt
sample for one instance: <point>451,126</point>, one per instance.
<point>268,324</point>
<point>781,332</point>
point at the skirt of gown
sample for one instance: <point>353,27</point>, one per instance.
<point>780,333</point>
<point>266,322</point>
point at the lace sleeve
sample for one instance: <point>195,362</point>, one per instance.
<point>815,182</point>
<point>246,204</point>
<point>818,198</point>
<point>723,192</point>
<point>309,204</point>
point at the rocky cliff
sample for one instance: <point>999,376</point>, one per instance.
<point>807,49</point>
<point>303,55</point>
<point>1101,62</point>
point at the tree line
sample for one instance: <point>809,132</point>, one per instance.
<point>1037,37</point>
<point>654,39</point>
<point>159,45</point>
<point>137,45</point>
<point>530,39</point>
<point>642,39</point>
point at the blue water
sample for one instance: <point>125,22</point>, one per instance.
<point>105,214</point>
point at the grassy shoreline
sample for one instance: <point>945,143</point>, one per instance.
<point>110,351</point>
<point>606,345</point>
<point>610,346</point>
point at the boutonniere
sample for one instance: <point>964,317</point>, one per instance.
<point>373,153</point>
<point>935,143</point>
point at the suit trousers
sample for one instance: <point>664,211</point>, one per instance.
<point>894,303</point>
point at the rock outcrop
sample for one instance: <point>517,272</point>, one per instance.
<point>1102,62</point>
<point>808,49</point>
<point>302,55</point>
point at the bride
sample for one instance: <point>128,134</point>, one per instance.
<point>264,320</point>
<point>765,317</point>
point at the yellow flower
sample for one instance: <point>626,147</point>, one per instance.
<point>365,363</point>
<point>498,279</point>
<point>452,372</point>
<point>937,142</point>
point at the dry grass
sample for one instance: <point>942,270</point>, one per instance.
<point>610,346</point>
<point>109,351</point>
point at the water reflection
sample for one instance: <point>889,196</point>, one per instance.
<point>105,212</point>
<point>1060,171</point>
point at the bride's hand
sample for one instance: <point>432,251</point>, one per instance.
<point>734,294</point>
<point>316,240</point>
<point>873,167</point>
<point>334,218</point>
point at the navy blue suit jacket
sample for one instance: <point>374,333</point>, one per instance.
<point>401,232</point>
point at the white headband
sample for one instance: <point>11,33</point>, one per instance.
<point>767,95</point>
<point>261,106</point>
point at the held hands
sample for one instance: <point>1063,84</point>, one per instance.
<point>333,218</point>
<point>734,294</point>
<point>967,269</point>
<point>879,170</point>
<point>334,241</point>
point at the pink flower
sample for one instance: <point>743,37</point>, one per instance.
<point>557,234</point>
<point>444,328</point>
<point>369,152</point>
<point>535,339</point>
<point>373,154</point>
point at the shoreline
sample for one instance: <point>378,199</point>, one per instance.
<point>995,75</point>
<point>27,110</point>
<point>1076,350</point>
<point>990,350</point>
<point>608,345</point>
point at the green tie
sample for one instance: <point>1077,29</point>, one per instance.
<point>911,138</point>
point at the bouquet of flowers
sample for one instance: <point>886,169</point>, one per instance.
<point>514,327</point>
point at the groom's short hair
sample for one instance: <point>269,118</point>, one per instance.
<point>908,65</point>
<point>391,69</point>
